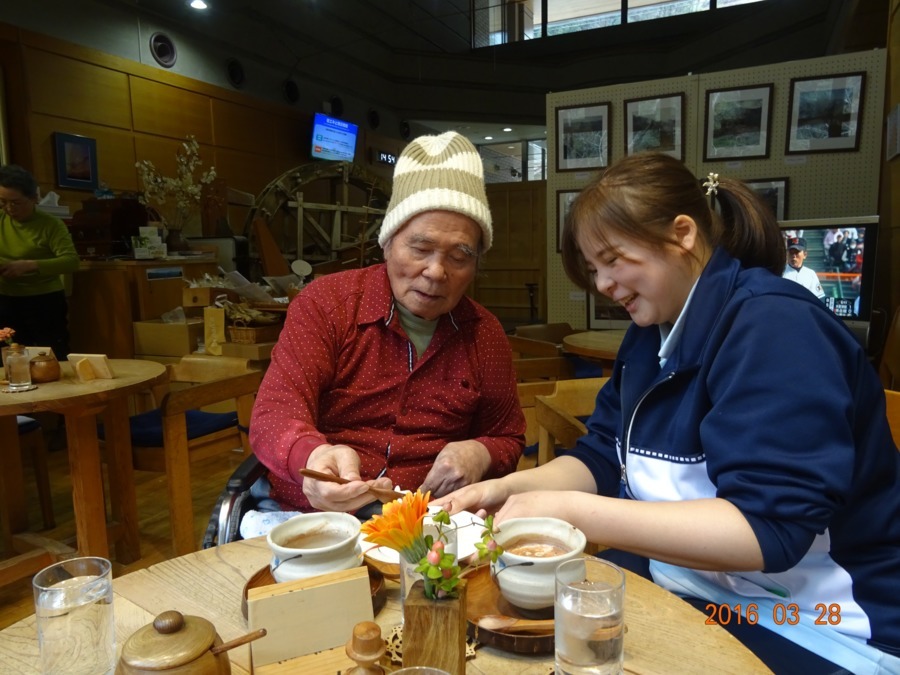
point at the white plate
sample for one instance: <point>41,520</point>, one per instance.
<point>468,533</point>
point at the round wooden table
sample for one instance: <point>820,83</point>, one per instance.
<point>80,403</point>
<point>665,634</point>
<point>597,345</point>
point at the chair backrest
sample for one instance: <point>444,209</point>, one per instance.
<point>548,332</point>
<point>892,399</point>
<point>524,348</point>
<point>544,368</point>
<point>889,368</point>
<point>557,414</point>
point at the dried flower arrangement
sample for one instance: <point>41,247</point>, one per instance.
<point>175,199</point>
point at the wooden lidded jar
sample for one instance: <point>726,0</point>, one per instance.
<point>44,368</point>
<point>174,644</point>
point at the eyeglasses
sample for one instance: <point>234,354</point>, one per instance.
<point>12,203</point>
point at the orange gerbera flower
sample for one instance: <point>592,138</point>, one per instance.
<point>400,526</point>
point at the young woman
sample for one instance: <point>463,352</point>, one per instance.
<point>742,424</point>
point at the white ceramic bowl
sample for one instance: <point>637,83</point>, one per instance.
<point>314,543</point>
<point>529,582</point>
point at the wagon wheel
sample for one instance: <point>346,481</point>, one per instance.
<point>327,214</point>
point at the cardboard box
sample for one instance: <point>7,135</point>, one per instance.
<point>205,296</point>
<point>259,351</point>
<point>167,339</point>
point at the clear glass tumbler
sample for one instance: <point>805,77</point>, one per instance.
<point>18,368</point>
<point>589,617</point>
<point>73,605</point>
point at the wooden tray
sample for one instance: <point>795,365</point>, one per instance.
<point>264,578</point>
<point>483,597</point>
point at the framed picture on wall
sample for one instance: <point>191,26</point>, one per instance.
<point>582,137</point>
<point>564,199</point>
<point>773,192</point>
<point>737,122</point>
<point>76,161</point>
<point>655,124</point>
<point>825,113</point>
<point>604,313</point>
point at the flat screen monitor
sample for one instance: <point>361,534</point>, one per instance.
<point>333,139</point>
<point>841,251</point>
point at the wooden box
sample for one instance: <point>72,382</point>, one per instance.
<point>167,339</point>
<point>308,615</point>
<point>206,296</point>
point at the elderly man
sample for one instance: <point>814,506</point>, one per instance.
<point>795,270</point>
<point>388,375</point>
<point>35,249</point>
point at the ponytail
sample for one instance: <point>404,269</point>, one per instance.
<point>748,229</point>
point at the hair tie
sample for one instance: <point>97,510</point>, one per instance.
<point>712,184</point>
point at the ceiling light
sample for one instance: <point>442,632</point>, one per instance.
<point>199,4</point>
<point>488,138</point>
<point>507,129</point>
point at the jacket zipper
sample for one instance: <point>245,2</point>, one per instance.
<point>623,452</point>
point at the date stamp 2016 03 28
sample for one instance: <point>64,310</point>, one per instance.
<point>829,614</point>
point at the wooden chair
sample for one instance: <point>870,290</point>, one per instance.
<point>544,368</point>
<point>33,445</point>
<point>889,368</point>
<point>524,348</point>
<point>528,391</point>
<point>197,381</point>
<point>556,414</point>
<point>548,332</point>
<point>892,399</point>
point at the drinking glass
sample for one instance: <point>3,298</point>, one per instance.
<point>73,603</point>
<point>589,617</point>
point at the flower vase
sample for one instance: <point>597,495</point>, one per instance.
<point>175,241</point>
<point>434,631</point>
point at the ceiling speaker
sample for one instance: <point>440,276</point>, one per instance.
<point>337,106</point>
<point>163,50</point>
<point>405,130</point>
<point>234,71</point>
<point>374,118</point>
<point>291,91</point>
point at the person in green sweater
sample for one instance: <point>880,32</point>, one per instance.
<point>35,249</point>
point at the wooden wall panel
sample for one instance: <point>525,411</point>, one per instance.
<point>251,172</point>
<point>76,90</point>
<point>165,110</point>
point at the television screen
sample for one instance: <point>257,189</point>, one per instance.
<point>333,138</point>
<point>841,253</point>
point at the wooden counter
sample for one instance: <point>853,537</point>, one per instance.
<point>107,296</point>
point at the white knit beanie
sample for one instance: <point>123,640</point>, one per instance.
<point>438,173</point>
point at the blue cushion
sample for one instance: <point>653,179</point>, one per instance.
<point>146,428</point>
<point>27,424</point>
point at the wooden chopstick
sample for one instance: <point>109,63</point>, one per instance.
<point>383,494</point>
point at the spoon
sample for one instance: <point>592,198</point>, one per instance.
<point>510,624</point>
<point>383,494</point>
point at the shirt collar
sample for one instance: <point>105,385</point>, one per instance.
<point>669,335</point>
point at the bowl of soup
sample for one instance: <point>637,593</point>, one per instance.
<point>532,549</point>
<point>314,543</point>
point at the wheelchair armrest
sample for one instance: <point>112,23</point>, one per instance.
<point>250,470</point>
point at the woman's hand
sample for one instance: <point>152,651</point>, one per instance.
<point>480,498</point>
<point>17,268</point>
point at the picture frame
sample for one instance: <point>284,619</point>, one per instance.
<point>655,124</point>
<point>564,199</point>
<point>774,192</point>
<point>76,161</point>
<point>825,113</point>
<point>738,122</point>
<point>603,313</point>
<point>582,137</point>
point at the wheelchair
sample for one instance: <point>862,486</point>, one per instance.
<point>233,502</point>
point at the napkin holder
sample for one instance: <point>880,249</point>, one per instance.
<point>307,615</point>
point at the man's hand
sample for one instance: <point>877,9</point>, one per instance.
<point>459,464</point>
<point>342,461</point>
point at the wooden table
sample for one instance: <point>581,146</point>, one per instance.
<point>80,403</point>
<point>665,634</point>
<point>598,345</point>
